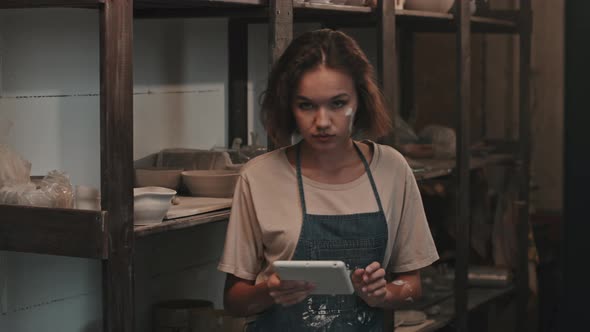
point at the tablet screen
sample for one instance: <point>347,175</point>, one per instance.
<point>330,277</point>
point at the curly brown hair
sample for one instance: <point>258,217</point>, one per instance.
<point>335,50</point>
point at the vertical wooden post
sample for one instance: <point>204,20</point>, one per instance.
<point>280,34</point>
<point>388,77</point>
<point>524,133</point>
<point>116,155</point>
<point>387,57</point>
<point>280,28</point>
<point>462,18</point>
<point>484,87</point>
<point>238,80</point>
<point>408,74</point>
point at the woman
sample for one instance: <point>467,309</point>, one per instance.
<point>327,197</point>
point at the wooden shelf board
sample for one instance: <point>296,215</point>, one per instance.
<point>493,25</point>
<point>49,3</point>
<point>476,297</point>
<point>493,21</point>
<point>63,232</point>
<point>419,21</point>
<point>492,159</point>
<point>184,4</point>
<point>179,4</point>
<point>320,7</point>
<point>436,168</point>
<point>256,11</point>
<point>252,13</point>
<point>416,14</point>
<point>182,223</point>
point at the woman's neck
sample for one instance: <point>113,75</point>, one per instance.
<point>329,160</point>
<point>338,166</point>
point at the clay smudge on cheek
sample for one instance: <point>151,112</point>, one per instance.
<point>350,113</point>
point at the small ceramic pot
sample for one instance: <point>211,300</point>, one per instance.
<point>150,204</point>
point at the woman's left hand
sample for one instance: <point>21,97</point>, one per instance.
<point>370,284</point>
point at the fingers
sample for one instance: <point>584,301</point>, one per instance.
<point>291,297</point>
<point>273,282</point>
<point>357,276</point>
<point>372,273</point>
<point>370,283</point>
<point>288,292</point>
<point>374,287</point>
<point>373,267</point>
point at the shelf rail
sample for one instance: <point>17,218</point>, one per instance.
<point>62,232</point>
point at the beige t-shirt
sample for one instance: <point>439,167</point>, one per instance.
<point>266,216</point>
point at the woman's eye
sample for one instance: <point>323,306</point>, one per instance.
<point>339,103</point>
<point>305,106</point>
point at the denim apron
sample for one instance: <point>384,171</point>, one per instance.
<point>358,240</point>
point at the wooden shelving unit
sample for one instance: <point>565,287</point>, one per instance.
<point>477,297</point>
<point>109,235</point>
<point>182,223</point>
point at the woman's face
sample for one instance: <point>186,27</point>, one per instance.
<point>324,106</point>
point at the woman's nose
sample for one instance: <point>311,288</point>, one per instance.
<point>322,119</point>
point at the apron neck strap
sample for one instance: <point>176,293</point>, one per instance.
<point>300,177</point>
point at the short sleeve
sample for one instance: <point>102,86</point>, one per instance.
<point>413,246</point>
<point>243,252</point>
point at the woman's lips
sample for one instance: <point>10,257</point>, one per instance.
<point>323,138</point>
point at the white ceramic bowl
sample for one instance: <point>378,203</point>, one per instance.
<point>439,6</point>
<point>210,183</point>
<point>150,204</point>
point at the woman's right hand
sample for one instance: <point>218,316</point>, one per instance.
<point>288,292</point>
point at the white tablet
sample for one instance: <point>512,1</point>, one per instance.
<point>330,277</point>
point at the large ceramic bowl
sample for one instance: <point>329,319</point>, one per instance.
<point>210,183</point>
<point>158,177</point>
<point>150,204</point>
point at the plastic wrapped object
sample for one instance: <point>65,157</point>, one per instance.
<point>251,151</point>
<point>443,140</point>
<point>13,168</point>
<point>53,191</point>
<point>404,133</point>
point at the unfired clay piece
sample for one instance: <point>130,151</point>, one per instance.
<point>210,183</point>
<point>158,177</point>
